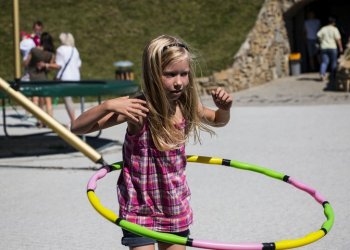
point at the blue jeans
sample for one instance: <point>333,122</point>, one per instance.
<point>329,57</point>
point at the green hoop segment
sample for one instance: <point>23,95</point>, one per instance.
<point>173,239</point>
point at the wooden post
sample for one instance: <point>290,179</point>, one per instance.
<point>16,41</point>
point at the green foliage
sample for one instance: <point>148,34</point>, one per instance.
<point>109,30</point>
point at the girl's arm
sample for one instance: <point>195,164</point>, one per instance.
<point>109,113</point>
<point>221,116</point>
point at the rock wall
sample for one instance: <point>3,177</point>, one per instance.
<point>262,57</point>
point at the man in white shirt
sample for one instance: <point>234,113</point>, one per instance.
<point>330,41</point>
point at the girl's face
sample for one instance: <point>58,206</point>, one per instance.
<point>175,79</point>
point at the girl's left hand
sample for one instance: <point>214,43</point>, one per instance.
<point>222,99</point>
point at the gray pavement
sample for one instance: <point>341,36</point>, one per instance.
<point>289,125</point>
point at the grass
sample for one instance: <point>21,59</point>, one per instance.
<point>108,30</point>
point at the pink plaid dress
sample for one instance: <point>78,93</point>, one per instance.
<point>152,187</point>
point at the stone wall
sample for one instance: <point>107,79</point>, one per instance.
<point>262,57</point>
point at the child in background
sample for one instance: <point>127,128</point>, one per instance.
<point>25,47</point>
<point>152,187</point>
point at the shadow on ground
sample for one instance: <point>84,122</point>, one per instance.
<point>45,144</point>
<point>313,79</point>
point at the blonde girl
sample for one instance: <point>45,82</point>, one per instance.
<point>152,187</point>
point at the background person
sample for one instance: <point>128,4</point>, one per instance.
<point>44,53</point>
<point>38,27</point>
<point>25,47</point>
<point>68,63</point>
<point>330,41</point>
<point>312,26</point>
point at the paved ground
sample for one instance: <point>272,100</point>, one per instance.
<point>290,125</point>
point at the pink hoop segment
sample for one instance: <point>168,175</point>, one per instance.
<point>173,239</point>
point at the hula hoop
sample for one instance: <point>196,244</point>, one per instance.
<point>173,239</point>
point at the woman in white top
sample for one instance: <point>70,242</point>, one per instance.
<point>68,63</point>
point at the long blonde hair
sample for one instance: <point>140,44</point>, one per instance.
<point>158,54</point>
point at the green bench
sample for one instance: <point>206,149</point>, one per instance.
<point>80,89</point>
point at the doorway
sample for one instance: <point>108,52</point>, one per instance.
<point>296,16</point>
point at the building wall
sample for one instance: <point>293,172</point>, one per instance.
<point>263,56</point>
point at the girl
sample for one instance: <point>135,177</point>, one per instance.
<point>152,187</point>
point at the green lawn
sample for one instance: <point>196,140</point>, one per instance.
<point>111,30</point>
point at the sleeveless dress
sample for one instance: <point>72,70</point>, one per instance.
<point>152,186</point>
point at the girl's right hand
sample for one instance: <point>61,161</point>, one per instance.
<point>131,108</point>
